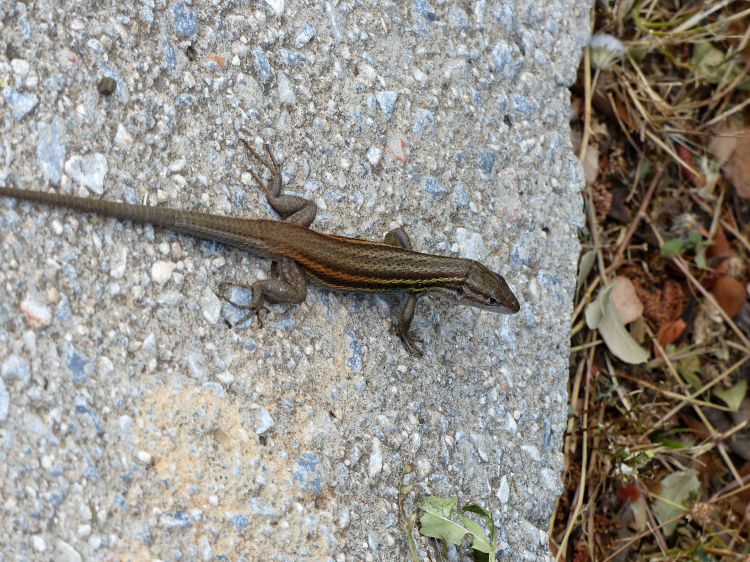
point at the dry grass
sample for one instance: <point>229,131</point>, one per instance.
<point>646,123</point>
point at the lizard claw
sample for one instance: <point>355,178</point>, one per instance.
<point>409,340</point>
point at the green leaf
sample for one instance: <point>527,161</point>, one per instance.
<point>708,61</point>
<point>676,490</point>
<point>674,247</point>
<point>733,396</point>
<point>436,519</point>
<point>436,522</point>
<point>602,315</point>
<point>690,369</point>
<point>486,515</point>
<point>672,444</point>
<point>479,540</point>
<point>678,246</point>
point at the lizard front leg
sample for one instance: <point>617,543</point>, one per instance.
<point>409,338</point>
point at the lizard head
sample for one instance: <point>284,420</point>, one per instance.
<point>487,290</point>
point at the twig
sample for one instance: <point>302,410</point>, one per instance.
<point>637,219</point>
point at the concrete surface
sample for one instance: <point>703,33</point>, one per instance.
<point>134,425</point>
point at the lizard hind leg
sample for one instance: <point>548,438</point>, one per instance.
<point>297,210</point>
<point>289,287</point>
<point>250,309</point>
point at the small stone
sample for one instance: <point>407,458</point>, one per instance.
<point>432,186</point>
<point>277,6</point>
<point>376,459</point>
<point>471,245</point>
<point>4,401</point>
<point>374,154</point>
<point>210,306</point>
<point>263,68</point>
<point>38,543</point>
<point>178,165</point>
<point>123,138</point>
<point>106,86</point>
<point>344,518</point>
<point>503,491</point>
<point>118,262</point>
<point>16,368</point>
<point>37,313</point>
<point>305,35</point>
<point>286,90</point>
<point>50,148</point>
<point>161,271</point>
<point>20,69</point>
<point>90,170</point>
<point>263,421</point>
<point>425,118</point>
<point>143,458</point>
<point>20,103</point>
<point>185,21</point>
<point>66,553</point>
<point>485,163</point>
<point>387,102</point>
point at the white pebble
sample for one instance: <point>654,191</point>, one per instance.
<point>376,459</point>
<point>36,312</point>
<point>210,306</point>
<point>38,543</point>
<point>161,271</point>
<point>143,458</point>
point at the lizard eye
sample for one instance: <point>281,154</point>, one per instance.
<point>494,301</point>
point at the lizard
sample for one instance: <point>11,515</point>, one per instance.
<point>301,254</point>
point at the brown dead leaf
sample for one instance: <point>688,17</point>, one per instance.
<point>722,146</point>
<point>669,332</point>
<point>737,165</point>
<point>663,304</point>
<point>730,294</point>
<point>687,157</point>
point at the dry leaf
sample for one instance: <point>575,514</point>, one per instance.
<point>602,315</point>
<point>591,163</point>
<point>670,331</point>
<point>737,167</point>
<point>625,299</point>
<point>723,144</point>
<point>730,294</point>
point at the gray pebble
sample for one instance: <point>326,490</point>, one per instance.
<point>210,306</point>
<point>4,401</point>
<point>90,170</point>
<point>20,103</point>
<point>424,118</point>
<point>305,35</point>
<point>286,90</point>
<point>263,421</point>
<point>16,368</point>
<point>387,102</point>
<point>185,21</point>
<point>50,148</point>
<point>432,186</point>
<point>263,68</point>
